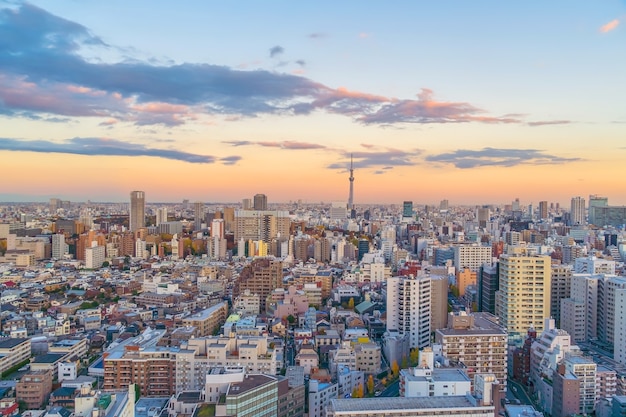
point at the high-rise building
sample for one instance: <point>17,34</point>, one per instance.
<point>561,288</point>
<point>487,287</point>
<point>260,277</point>
<point>260,202</point>
<point>409,308</point>
<point>523,300</point>
<point>198,215</point>
<point>407,209</point>
<point>577,211</point>
<point>137,218</point>
<point>543,210</point>
<point>161,215</point>
<point>59,247</point>
<point>619,328</point>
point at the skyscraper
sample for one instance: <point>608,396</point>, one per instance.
<point>137,218</point>
<point>260,202</point>
<point>351,195</point>
<point>161,215</point>
<point>543,210</point>
<point>577,210</point>
<point>198,215</point>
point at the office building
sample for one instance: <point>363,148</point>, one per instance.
<point>489,283</point>
<point>523,300</point>
<point>198,215</point>
<point>261,225</point>
<point>457,406</point>
<point>59,247</point>
<point>407,209</point>
<point>471,256</point>
<point>260,202</point>
<point>409,308</point>
<point>137,218</point>
<point>596,201</point>
<point>543,210</point>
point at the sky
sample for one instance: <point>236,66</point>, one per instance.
<point>475,102</point>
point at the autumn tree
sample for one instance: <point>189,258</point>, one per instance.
<point>370,385</point>
<point>395,369</point>
<point>351,303</point>
<point>414,357</point>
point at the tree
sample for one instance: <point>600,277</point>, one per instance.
<point>405,362</point>
<point>291,319</point>
<point>370,385</point>
<point>414,357</point>
<point>395,369</point>
<point>351,303</point>
<point>355,393</point>
<point>105,264</point>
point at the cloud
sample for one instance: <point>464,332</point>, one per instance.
<point>612,25</point>
<point>276,50</point>
<point>384,159</point>
<point>317,35</point>
<point>286,144</point>
<point>100,146</point>
<point>301,62</point>
<point>230,160</point>
<point>465,158</point>
<point>44,71</point>
<point>549,122</point>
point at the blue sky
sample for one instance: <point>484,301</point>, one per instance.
<point>514,95</point>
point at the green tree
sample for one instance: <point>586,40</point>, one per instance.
<point>414,357</point>
<point>105,264</point>
<point>291,319</point>
<point>405,362</point>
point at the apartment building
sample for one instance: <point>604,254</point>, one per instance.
<point>478,341</point>
<point>207,322</point>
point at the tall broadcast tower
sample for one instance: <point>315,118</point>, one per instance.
<point>351,197</point>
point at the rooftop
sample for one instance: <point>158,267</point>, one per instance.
<point>401,403</point>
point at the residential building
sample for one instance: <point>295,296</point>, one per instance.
<point>13,351</point>
<point>426,380</point>
<point>320,396</point>
<point>523,300</point>
<point>34,388</point>
<point>208,321</point>
<point>471,257</point>
<point>478,341</point>
<point>409,308</point>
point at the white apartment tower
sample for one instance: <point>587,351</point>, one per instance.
<point>577,211</point>
<point>409,308</point>
<point>523,300</point>
<point>619,332</point>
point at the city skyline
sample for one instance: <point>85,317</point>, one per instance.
<point>471,103</point>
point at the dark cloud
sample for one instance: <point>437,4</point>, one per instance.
<point>42,55</point>
<point>465,158</point>
<point>100,146</point>
<point>286,144</point>
<point>276,50</point>
<point>301,62</point>
<point>230,160</point>
<point>382,160</point>
<point>549,122</point>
